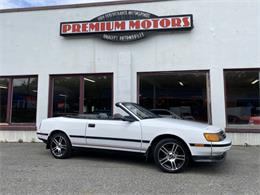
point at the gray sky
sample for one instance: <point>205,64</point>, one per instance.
<point>6,4</point>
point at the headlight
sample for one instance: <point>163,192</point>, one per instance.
<point>215,137</point>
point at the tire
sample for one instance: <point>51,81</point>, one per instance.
<point>171,155</point>
<point>60,146</point>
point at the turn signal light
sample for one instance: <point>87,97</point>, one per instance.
<point>212,137</point>
<point>199,145</point>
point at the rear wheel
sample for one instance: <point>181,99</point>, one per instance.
<point>171,155</point>
<point>60,146</point>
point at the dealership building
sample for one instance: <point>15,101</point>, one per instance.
<point>195,59</point>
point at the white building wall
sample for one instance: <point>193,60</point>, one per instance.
<point>225,36</point>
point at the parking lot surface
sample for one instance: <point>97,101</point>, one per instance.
<point>27,168</point>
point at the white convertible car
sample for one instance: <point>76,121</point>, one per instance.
<point>171,142</point>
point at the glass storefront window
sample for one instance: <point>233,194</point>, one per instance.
<point>82,94</point>
<point>98,94</point>
<point>176,94</point>
<point>242,97</point>
<point>3,99</point>
<point>24,101</point>
<point>18,99</point>
<point>66,95</point>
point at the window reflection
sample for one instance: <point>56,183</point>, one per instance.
<point>175,94</point>
<point>3,99</point>
<point>242,97</point>
<point>24,100</point>
<point>66,95</point>
<point>98,94</point>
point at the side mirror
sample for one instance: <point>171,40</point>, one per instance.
<point>129,119</point>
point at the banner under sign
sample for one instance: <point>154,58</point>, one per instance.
<point>126,25</point>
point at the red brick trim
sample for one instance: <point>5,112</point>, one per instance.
<point>18,128</point>
<point>242,130</point>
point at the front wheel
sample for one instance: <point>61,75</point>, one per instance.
<point>60,146</point>
<point>171,155</point>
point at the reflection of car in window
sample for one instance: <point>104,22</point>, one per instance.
<point>236,120</point>
<point>170,114</point>
<point>254,120</point>
<point>165,113</point>
<point>187,116</point>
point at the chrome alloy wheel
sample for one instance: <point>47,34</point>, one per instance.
<point>58,146</point>
<point>171,156</point>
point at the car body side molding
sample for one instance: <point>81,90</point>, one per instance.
<point>210,145</point>
<point>109,138</point>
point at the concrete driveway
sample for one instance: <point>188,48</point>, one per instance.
<point>28,168</point>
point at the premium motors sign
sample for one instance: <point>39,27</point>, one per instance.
<point>126,25</point>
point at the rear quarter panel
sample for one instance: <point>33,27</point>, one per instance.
<point>69,126</point>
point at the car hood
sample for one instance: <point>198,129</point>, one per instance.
<point>170,123</point>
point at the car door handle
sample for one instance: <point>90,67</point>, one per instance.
<point>91,125</point>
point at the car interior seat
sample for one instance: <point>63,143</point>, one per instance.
<point>118,116</point>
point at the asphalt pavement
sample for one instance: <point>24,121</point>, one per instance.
<point>28,168</point>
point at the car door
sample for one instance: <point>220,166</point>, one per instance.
<point>114,134</point>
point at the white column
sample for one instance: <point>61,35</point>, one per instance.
<point>217,97</point>
<point>123,77</point>
<point>42,98</point>
<point>133,79</point>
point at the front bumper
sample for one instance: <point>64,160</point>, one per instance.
<point>217,158</point>
<point>211,151</point>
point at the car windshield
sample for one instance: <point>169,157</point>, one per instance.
<point>139,111</point>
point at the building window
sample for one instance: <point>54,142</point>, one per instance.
<point>18,99</point>
<point>242,97</point>
<point>182,95</point>
<point>98,94</point>
<point>66,95</point>
<point>24,100</point>
<point>81,94</point>
<point>3,99</point>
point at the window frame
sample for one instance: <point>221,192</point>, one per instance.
<point>236,128</point>
<point>8,124</point>
<point>158,73</point>
<point>81,89</point>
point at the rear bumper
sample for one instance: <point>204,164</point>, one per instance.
<point>217,158</point>
<point>43,137</point>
